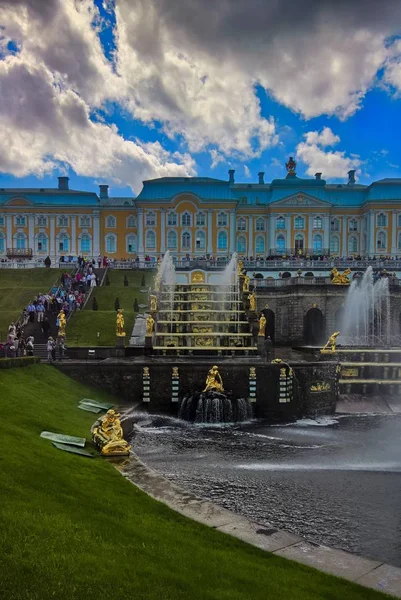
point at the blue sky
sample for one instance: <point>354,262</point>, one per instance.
<point>126,96</point>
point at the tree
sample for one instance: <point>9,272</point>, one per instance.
<point>48,261</point>
<point>136,305</point>
<point>95,305</point>
<point>125,281</point>
<point>143,280</point>
<point>107,280</point>
<point>116,304</point>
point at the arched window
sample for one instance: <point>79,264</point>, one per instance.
<point>381,220</point>
<point>85,244</point>
<point>186,241</point>
<point>20,241</point>
<point>241,224</point>
<point>111,243</point>
<point>171,240</point>
<point>2,243</point>
<point>2,220</point>
<point>241,244</point>
<point>41,242</point>
<point>299,223</point>
<point>399,220</point>
<point>260,245</point>
<point>111,222</point>
<point>353,225</point>
<point>222,220</point>
<point>131,243</point>
<point>222,240</point>
<point>280,244</point>
<point>334,225</point>
<point>280,223</point>
<point>85,222</point>
<point>131,221</point>
<point>63,242</point>
<point>381,241</point>
<point>299,242</point>
<point>317,244</point>
<point>63,221</point>
<point>260,224</point>
<point>200,240</point>
<point>200,219</point>
<point>353,244</point>
<point>317,223</point>
<point>150,240</point>
<point>172,219</point>
<point>334,244</point>
<point>186,219</point>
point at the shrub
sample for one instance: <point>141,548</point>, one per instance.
<point>48,261</point>
<point>106,280</point>
<point>143,280</point>
<point>136,305</point>
<point>21,361</point>
<point>95,305</point>
<point>125,281</point>
<point>116,304</point>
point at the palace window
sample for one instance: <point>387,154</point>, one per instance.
<point>399,220</point>
<point>353,244</point>
<point>399,241</point>
<point>200,240</point>
<point>2,221</point>
<point>186,241</point>
<point>260,245</point>
<point>317,244</point>
<point>186,219</point>
<point>131,221</point>
<point>241,224</point>
<point>111,243</point>
<point>280,223</point>
<point>222,240</point>
<point>41,221</point>
<point>222,220</point>
<point>2,243</point>
<point>41,243</point>
<point>171,240</point>
<point>299,223</point>
<point>151,240</point>
<point>335,225</point>
<point>111,222</point>
<point>200,220</point>
<point>381,241</point>
<point>131,244</point>
<point>260,224</point>
<point>172,219</point>
<point>85,222</point>
<point>334,244</point>
<point>317,223</point>
<point>241,244</point>
<point>20,241</point>
<point>353,225</point>
<point>150,219</point>
<point>63,243</point>
<point>63,221</point>
<point>280,244</point>
<point>85,244</point>
<point>20,221</point>
<point>381,220</point>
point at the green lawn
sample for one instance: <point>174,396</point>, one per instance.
<point>73,528</point>
<point>85,326</point>
<point>18,287</point>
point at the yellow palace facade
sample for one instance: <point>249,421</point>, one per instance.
<point>201,216</point>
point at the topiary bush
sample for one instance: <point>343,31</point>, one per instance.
<point>125,281</point>
<point>116,304</point>
<point>21,361</point>
<point>143,280</point>
<point>136,305</point>
<point>106,280</point>
<point>95,305</point>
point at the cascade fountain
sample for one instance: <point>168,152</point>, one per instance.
<point>366,316</point>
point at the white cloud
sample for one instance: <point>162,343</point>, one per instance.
<point>335,164</point>
<point>216,158</point>
<point>247,172</point>
<point>392,73</point>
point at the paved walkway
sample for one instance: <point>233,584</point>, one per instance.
<point>366,572</point>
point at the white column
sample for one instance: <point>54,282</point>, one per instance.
<point>9,221</point>
<point>162,231</point>
<point>371,232</point>
<point>52,238</point>
<point>140,233</point>
<point>394,233</point>
<point>209,232</point>
<point>74,235</point>
<point>326,232</point>
<point>271,242</point>
<point>287,233</point>
<point>310,231</point>
<point>31,233</point>
<point>96,234</point>
<point>232,231</point>
<point>251,236</point>
<point>344,249</point>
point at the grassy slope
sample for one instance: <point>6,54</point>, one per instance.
<point>83,328</point>
<point>18,287</point>
<point>73,528</point>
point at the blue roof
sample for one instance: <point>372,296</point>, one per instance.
<point>166,188</point>
<point>50,197</point>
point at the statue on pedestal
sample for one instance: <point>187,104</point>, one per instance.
<point>262,325</point>
<point>252,302</point>
<point>340,278</point>
<point>245,287</point>
<point>107,435</point>
<point>153,303</point>
<point>62,323</point>
<point>330,346</point>
<point>214,380</point>
<point>149,325</point>
<point>120,324</point>
<point>240,266</point>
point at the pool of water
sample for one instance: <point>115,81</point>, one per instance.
<point>334,481</point>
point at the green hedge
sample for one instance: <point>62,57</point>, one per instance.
<point>22,361</point>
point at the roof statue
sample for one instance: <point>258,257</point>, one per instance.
<point>291,165</point>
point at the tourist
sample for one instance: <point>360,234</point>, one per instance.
<point>60,347</point>
<point>30,345</point>
<point>50,348</point>
<point>46,326</point>
<point>31,312</point>
<point>93,280</point>
<point>40,310</point>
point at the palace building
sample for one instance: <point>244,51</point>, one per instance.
<point>201,216</point>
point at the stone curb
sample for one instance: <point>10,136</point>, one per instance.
<point>366,572</point>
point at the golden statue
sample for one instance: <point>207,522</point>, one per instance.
<point>291,166</point>
<point>245,287</point>
<point>120,324</point>
<point>214,380</point>
<point>262,325</point>
<point>62,323</point>
<point>149,325</point>
<point>197,277</point>
<point>240,266</point>
<point>108,436</point>
<point>252,302</point>
<point>330,346</point>
<point>153,303</point>
<point>340,278</point>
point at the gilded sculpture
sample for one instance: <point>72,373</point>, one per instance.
<point>262,325</point>
<point>108,435</point>
<point>62,323</point>
<point>252,302</point>
<point>214,380</point>
<point>245,287</point>
<point>330,346</point>
<point>340,278</point>
<point>291,165</point>
<point>320,386</point>
<point>153,303</point>
<point>240,266</point>
<point>120,324</point>
<point>149,325</point>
